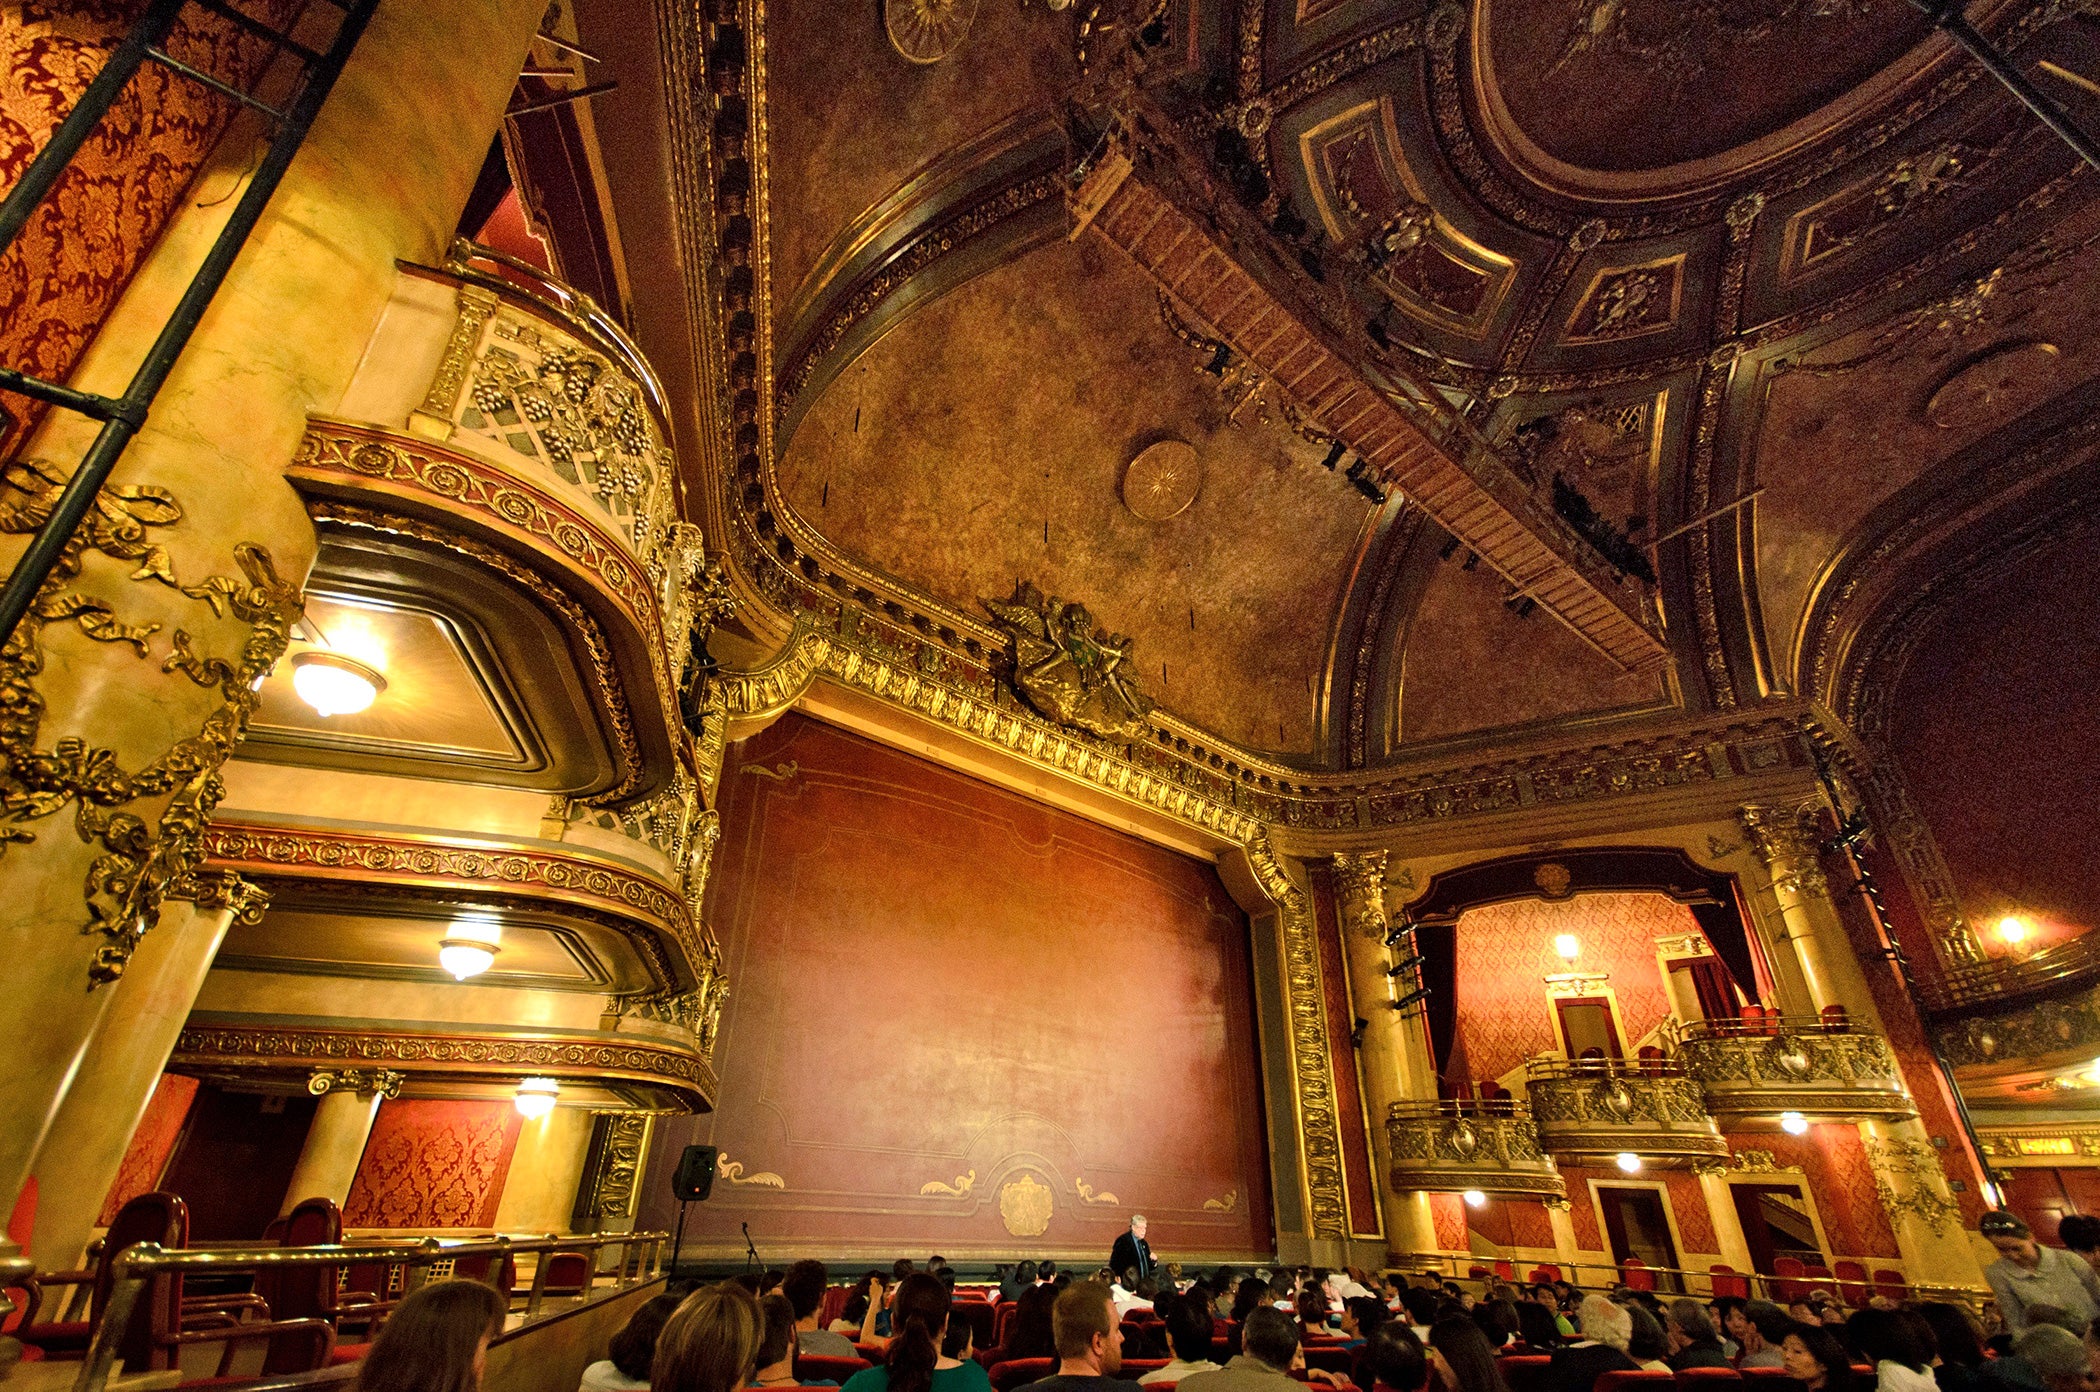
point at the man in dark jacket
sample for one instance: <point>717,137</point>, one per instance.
<point>1694,1342</point>
<point>1131,1254</point>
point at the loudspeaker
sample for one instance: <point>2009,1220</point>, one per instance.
<point>695,1179</point>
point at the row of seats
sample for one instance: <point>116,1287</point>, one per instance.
<point>1791,1279</point>
<point>1528,1373</point>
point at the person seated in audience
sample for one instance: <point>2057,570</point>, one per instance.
<point>1537,1329</point>
<point>1393,1291</point>
<point>710,1343</point>
<point>2056,1315</point>
<point>2056,1356</point>
<point>437,1340</point>
<point>1190,1329</point>
<point>1647,1344</point>
<point>1892,1345</point>
<point>1254,1292</point>
<point>1022,1277</point>
<point>1605,1330</point>
<point>1421,1312</point>
<point>1361,1317</point>
<point>1960,1344</point>
<point>1765,1327</point>
<point>1046,1272</point>
<point>1814,1357</point>
<point>1311,1308</point>
<point>875,1324</point>
<point>865,1294</point>
<point>936,1264</point>
<point>960,1342</point>
<point>1693,1341</point>
<point>1499,1322</point>
<point>1461,1358</point>
<point>1089,1341</point>
<point>777,1349</point>
<point>1731,1313</point>
<point>1803,1311</point>
<point>913,1361</point>
<point>803,1288</point>
<point>1393,1360</point>
<point>1270,1353</point>
<point>901,1268</point>
<point>625,1368</point>
<point>1032,1334</point>
<point>770,1281</point>
<point>2092,1349</point>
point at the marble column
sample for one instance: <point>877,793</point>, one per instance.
<point>144,646</point>
<point>1561,1214</point>
<point>539,1193</point>
<point>1786,844</point>
<point>93,1126</point>
<point>1731,1245</point>
<point>335,1142</point>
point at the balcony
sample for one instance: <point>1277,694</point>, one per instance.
<point>1587,1110</point>
<point>1453,1146</point>
<point>1784,1063</point>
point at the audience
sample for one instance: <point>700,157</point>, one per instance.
<point>1537,1327</point>
<point>710,1343</point>
<point>1814,1357</point>
<point>1605,1329</point>
<point>1269,1353</point>
<point>626,1366</point>
<point>437,1340</point>
<point>1421,1312</point>
<point>1361,1317</point>
<point>1089,1343</point>
<point>1765,1327</point>
<point>1190,1331</point>
<point>1732,1312</point>
<point>1459,1353</point>
<point>2056,1356</point>
<point>1498,1322</point>
<point>913,1362</point>
<point>1694,1343</point>
<point>1393,1361</point>
<point>777,1349</point>
<point>1960,1345</point>
<point>803,1288</point>
<point>1893,1346</point>
<point>1032,1334</point>
<point>1647,1344</point>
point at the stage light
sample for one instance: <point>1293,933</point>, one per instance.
<point>536,1097</point>
<point>335,685</point>
<point>469,946</point>
<point>1793,1123</point>
<point>1568,946</point>
<point>1475,1199</point>
<point>1629,1162</point>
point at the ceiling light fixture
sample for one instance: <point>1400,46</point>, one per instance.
<point>1568,946</point>
<point>536,1097</point>
<point>470,945</point>
<point>1475,1199</point>
<point>1793,1123</point>
<point>2013,930</point>
<point>335,685</point>
<point>1629,1162</point>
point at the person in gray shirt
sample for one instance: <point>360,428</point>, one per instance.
<point>804,1288</point>
<point>2028,1274</point>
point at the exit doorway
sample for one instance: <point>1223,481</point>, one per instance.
<point>1637,1225</point>
<point>1776,1223</point>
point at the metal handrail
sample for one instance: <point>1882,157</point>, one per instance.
<point>1549,1069</point>
<point>1768,1026</point>
<point>1453,1108</point>
<point>135,1267</point>
<point>1995,978</point>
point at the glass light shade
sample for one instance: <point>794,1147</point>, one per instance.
<point>1629,1162</point>
<point>1793,1123</point>
<point>536,1097</point>
<point>469,946</point>
<point>1475,1199</point>
<point>1568,946</point>
<point>335,685</point>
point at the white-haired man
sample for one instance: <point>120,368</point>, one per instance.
<point>1131,1254</point>
<point>1606,1329</point>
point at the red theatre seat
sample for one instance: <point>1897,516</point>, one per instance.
<point>1544,1274</point>
<point>1891,1284</point>
<point>1709,1380</point>
<point>1021,1371</point>
<point>1727,1281</point>
<point>1633,1379</point>
<point>1635,1273</point>
<point>835,1298</point>
<point>1852,1284</point>
<point>1525,1373</point>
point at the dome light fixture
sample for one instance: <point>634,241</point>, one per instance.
<point>335,685</point>
<point>536,1097</point>
<point>1793,1123</point>
<point>1475,1199</point>
<point>1568,946</point>
<point>470,945</point>
<point>1628,1161</point>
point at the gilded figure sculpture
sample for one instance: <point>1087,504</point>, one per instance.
<point>1067,667</point>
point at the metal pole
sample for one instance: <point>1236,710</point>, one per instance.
<point>36,564</point>
<point>1947,15</point>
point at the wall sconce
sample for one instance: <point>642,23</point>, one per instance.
<point>1793,1123</point>
<point>335,685</point>
<point>1475,1199</point>
<point>469,946</point>
<point>1629,1162</point>
<point>536,1097</point>
<point>1568,946</point>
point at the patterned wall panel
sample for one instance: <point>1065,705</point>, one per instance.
<point>1695,1223</point>
<point>78,251</point>
<point>1505,952</point>
<point>967,1019</point>
<point>1449,1213</point>
<point>151,1144</point>
<point>434,1164</point>
<point>1529,1225</point>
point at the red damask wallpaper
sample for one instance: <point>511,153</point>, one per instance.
<point>1448,1212</point>
<point>1505,953</point>
<point>432,1164</point>
<point>1839,1182</point>
<point>1695,1222</point>
<point>151,1144</point>
<point>78,251</point>
<point>965,1022</point>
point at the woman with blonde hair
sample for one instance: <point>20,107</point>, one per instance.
<point>711,1343</point>
<point>437,1340</point>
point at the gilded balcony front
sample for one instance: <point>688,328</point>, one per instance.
<point>1793,1064</point>
<point>1589,1109</point>
<point>1453,1146</point>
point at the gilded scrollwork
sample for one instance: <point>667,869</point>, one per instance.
<point>1618,1100</point>
<point>1428,1148</point>
<point>1785,841</point>
<point>617,1167</point>
<point>1813,1072</point>
<point>363,1082</point>
<point>1359,881</point>
<point>139,859</point>
<point>1910,1183</point>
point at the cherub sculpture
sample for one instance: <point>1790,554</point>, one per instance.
<point>1067,667</point>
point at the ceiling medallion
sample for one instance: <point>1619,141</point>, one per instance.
<point>926,31</point>
<point>1163,480</point>
<point>1995,387</point>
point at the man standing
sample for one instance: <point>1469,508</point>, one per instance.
<point>2028,1274</point>
<point>1131,1252</point>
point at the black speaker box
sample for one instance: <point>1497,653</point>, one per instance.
<point>695,1179</point>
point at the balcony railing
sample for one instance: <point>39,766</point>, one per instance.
<point>1590,1108</point>
<point>1789,1063</point>
<point>1453,1146</point>
<point>2003,984</point>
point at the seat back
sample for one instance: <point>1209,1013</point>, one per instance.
<point>1635,1273</point>
<point>835,1298</point>
<point>1772,1380</point>
<point>1708,1379</point>
<point>1853,1287</point>
<point>1544,1273</point>
<point>1633,1379</point>
<point>1891,1284</point>
<point>1003,1317</point>
<point>1019,1372</point>
<point>304,1292</point>
<point>299,1348</point>
<point>1527,1372</point>
<point>982,1317</point>
<point>568,1273</point>
<point>156,1217</point>
<point>478,1268</point>
<point>1727,1281</point>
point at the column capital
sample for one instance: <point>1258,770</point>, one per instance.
<point>365,1082</point>
<point>1786,844</point>
<point>223,889</point>
<point>1359,884</point>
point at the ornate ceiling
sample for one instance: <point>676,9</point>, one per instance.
<point>1558,281</point>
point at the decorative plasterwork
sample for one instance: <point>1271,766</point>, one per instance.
<point>294,1048</point>
<point>1494,1154</point>
<point>1850,1073</point>
<point>2041,1145</point>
